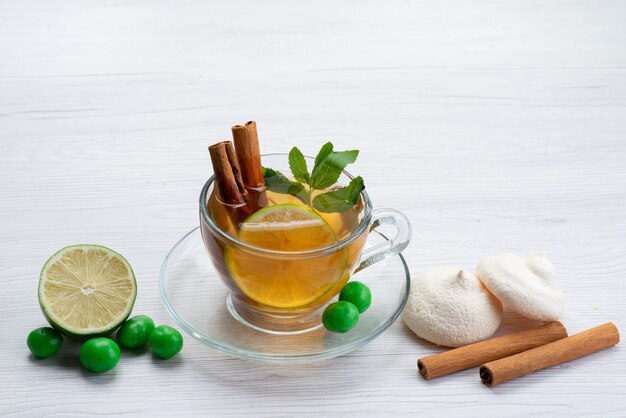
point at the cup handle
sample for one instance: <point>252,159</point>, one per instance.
<point>393,245</point>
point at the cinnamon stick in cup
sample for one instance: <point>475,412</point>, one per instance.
<point>246,141</point>
<point>557,352</point>
<point>228,189</point>
<point>234,164</point>
<point>474,355</point>
<point>228,182</point>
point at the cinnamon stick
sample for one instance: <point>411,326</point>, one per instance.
<point>474,355</point>
<point>557,352</point>
<point>230,193</point>
<point>246,141</point>
<point>228,189</point>
<point>234,164</point>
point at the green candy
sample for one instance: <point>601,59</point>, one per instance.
<point>165,341</point>
<point>135,332</point>
<point>340,316</point>
<point>357,294</point>
<point>44,342</point>
<point>99,354</point>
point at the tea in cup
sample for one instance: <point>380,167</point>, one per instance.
<point>283,262</point>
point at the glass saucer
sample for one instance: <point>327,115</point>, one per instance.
<point>196,298</point>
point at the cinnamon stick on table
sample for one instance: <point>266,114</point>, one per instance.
<point>248,153</point>
<point>557,352</point>
<point>228,183</point>
<point>474,355</point>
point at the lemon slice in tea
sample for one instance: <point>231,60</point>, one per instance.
<point>87,290</point>
<point>285,282</point>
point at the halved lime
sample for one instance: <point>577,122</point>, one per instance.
<point>86,290</point>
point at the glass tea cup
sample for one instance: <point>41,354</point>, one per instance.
<point>285,291</point>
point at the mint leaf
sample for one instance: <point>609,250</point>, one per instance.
<point>297,163</point>
<point>327,169</point>
<point>340,200</point>
<point>326,149</point>
<point>328,166</point>
<point>277,182</point>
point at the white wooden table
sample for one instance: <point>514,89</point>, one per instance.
<point>495,126</point>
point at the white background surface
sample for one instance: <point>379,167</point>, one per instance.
<point>493,125</point>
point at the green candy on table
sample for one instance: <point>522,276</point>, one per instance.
<point>165,342</point>
<point>340,316</point>
<point>99,354</point>
<point>135,332</point>
<point>44,342</point>
<point>357,294</point>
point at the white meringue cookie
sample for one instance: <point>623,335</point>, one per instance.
<point>450,307</point>
<point>524,285</point>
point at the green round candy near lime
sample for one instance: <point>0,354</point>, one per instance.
<point>44,342</point>
<point>357,294</point>
<point>135,332</point>
<point>99,354</point>
<point>165,341</point>
<point>340,316</point>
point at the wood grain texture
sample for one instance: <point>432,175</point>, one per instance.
<point>495,126</point>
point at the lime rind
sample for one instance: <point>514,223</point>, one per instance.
<point>310,218</point>
<point>293,208</point>
<point>85,333</point>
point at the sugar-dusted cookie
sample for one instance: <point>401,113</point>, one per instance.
<point>449,306</point>
<point>524,285</point>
